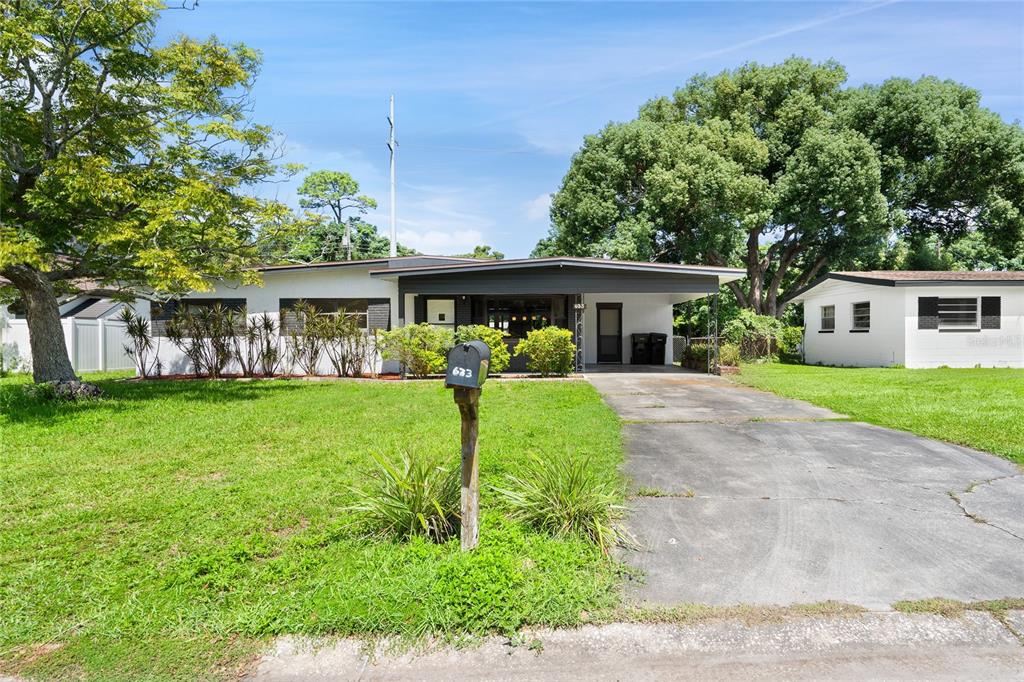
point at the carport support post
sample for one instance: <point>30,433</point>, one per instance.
<point>468,400</point>
<point>713,335</point>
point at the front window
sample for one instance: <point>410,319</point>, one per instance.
<point>828,318</point>
<point>355,308</point>
<point>517,316</point>
<point>862,316</point>
<point>959,313</point>
<point>161,313</point>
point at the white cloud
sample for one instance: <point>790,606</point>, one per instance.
<point>538,208</point>
<point>442,220</point>
<point>439,241</point>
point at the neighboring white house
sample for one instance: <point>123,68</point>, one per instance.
<point>915,319</point>
<point>604,302</point>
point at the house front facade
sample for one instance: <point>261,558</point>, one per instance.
<point>915,319</point>
<point>603,302</point>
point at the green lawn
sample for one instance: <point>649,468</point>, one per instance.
<point>981,408</point>
<point>171,529</point>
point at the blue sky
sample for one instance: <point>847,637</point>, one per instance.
<point>493,98</point>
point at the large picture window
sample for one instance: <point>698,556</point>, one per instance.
<point>828,318</point>
<point>162,312</point>
<point>861,316</point>
<point>355,308</point>
<point>959,313</point>
<point>517,316</point>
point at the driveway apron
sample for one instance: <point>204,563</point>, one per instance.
<point>746,497</point>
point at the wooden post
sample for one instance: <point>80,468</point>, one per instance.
<point>468,400</point>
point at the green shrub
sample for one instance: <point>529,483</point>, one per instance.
<point>549,351</point>
<point>494,339</point>
<point>790,340</point>
<point>697,354</point>
<point>563,496</point>
<point>415,496</point>
<point>758,336</point>
<point>729,355</point>
<point>421,348</point>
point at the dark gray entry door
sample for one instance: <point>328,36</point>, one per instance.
<point>609,332</point>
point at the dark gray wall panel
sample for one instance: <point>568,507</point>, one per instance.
<point>556,280</point>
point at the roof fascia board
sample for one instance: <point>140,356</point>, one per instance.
<point>529,263</point>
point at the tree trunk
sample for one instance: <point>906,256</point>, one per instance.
<point>50,361</point>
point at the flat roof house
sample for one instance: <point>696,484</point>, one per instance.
<point>915,319</point>
<point>602,301</point>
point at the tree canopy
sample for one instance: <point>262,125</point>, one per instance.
<point>125,164</point>
<point>483,251</point>
<point>326,230</point>
<point>784,172</point>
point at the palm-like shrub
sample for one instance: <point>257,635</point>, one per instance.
<point>205,336</point>
<point>257,345</point>
<point>306,337</point>
<point>140,346</point>
<point>563,496</point>
<point>494,339</point>
<point>347,344</point>
<point>415,496</point>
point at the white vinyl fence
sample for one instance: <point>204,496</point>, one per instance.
<point>93,345</point>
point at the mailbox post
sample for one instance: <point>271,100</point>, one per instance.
<point>467,372</point>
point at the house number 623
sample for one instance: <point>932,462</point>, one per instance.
<point>462,372</point>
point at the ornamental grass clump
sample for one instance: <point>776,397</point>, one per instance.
<point>415,496</point>
<point>563,496</point>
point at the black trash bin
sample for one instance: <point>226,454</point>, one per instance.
<point>658,342</point>
<point>641,354</point>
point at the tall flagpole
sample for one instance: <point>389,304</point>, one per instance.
<point>391,147</point>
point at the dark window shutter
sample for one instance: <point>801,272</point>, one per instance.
<point>463,310</point>
<point>378,315</point>
<point>420,309</point>
<point>991,311</point>
<point>927,312</point>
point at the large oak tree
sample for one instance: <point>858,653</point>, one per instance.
<point>782,171</point>
<point>126,165</point>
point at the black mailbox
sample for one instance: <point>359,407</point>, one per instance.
<point>467,365</point>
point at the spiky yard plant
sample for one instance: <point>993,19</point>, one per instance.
<point>564,496</point>
<point>415,495</point>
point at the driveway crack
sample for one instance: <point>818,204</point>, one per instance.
<point>956,497</point>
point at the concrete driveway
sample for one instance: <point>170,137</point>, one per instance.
<point>774,501</point>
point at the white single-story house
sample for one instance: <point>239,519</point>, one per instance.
<point>915,319</point>
<point>604,302</point>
